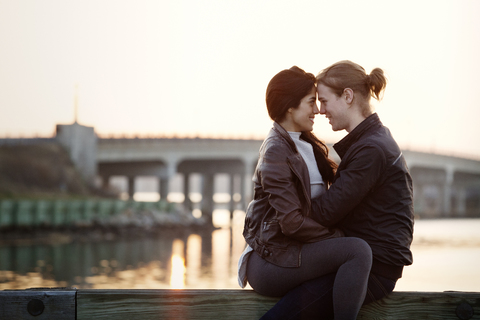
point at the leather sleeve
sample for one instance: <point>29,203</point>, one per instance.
<point>278,181</point>
<point>355,179</point>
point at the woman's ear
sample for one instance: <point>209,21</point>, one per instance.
<point>348,93</point>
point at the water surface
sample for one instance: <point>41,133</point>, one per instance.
<point>446,257</point>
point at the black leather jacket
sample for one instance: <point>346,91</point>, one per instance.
<point>278,219</point>
<point>372,196</point>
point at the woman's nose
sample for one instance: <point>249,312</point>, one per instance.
<point>315,109</point>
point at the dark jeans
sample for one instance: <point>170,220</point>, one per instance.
<point>313,299</point>
<point>348,257</point>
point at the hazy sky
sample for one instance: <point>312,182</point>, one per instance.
<point>202,67</point>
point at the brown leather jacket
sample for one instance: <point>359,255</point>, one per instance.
<point>278,219</point>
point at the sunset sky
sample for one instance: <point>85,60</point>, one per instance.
<point>191,68</point>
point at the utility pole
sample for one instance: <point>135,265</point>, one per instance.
<point>76,104</point>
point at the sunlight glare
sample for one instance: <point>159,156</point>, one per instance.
<point>197,213</point>
<point>177,277</point>
<point>221,218</point>
<point>146,196</point>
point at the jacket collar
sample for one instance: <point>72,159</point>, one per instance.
<point>371,122</point>
<point>284,134</point>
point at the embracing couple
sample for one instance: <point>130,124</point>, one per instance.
<point>327,239</point>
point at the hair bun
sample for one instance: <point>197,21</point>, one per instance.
<point>377,82</point>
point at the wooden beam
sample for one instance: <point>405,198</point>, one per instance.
<point>38,304</point>
<point>171,304</point>
<point>86,304</point>
<point>424,305</point>
<point>246,304</point>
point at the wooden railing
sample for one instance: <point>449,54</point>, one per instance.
<point>85,304</point>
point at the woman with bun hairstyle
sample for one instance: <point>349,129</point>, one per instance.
<point>286,246</point>
<point>371,196</point>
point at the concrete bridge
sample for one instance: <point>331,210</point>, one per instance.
<point>444,186</point>
<point>168,159</point>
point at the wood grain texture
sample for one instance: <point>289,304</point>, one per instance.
<point>113,304</point>
<point>424,305</point>
<point>171,304</point>
<point>246,304</point>
<point>57,304</point>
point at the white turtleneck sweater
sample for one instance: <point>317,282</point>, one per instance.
<point>306,150</point>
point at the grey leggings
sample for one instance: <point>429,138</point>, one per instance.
<point>350,258</point>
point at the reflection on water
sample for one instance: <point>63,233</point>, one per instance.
<point>205,260</point>
<point>177,276</point>
<point>446,257</point>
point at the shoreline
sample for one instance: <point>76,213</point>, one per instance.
<point>50,236</point>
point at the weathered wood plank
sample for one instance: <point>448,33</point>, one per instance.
<point>246,304</point>
<point>171,304</point>
<point>424,305</point>
<point>38,304</point>
<point>84,304</point>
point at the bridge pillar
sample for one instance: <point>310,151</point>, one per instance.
<point>232,192</point>
<point>105,182</point>
<point>131,187</point>
<point>168,172</point>
<point>461,199</point>
<point>187,203</point>
<point>247,185</point>
<point>418,198</point>
<point>428,199</point>
<point>245,190</point>
<point>447,192</point>
<point>207,197</point>
<point>163,188</point>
